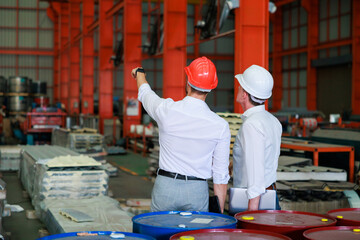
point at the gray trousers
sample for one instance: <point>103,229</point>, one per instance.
<point>171,194</point>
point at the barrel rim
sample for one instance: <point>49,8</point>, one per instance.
<point>71,234</point>
<point>283,211</point>
<point>343,210</point>
<point>309,231</point>
<point>281,236</point>
<point>177,212</point>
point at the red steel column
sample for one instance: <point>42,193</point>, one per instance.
<point>74,83</point>
<point>55,10</point>
<point>64,65</point>
<point>87,58</point>
<point>356,58</point>
<point>277,58</point>
<point>106,35</point>
<point>312,8</point>
<point>132,58</point>
<point>251,38</point>
<point>174,60</point>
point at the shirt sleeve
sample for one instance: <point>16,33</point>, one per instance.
<point>150,100</point>
<point>220,167</point>
<point>254,150</point>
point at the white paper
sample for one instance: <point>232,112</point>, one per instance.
<point>201,220</point>
<point>14,208</point>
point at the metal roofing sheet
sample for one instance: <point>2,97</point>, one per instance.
<point>46,152</point>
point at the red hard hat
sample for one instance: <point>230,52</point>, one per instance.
<point>201,74</point>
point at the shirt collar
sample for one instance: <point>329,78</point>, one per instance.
<point>250,111</point>
<point>196,101</point>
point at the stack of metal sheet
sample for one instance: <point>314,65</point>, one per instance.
<point>85,141</point>
<point>235,121</point>
<point>10,158</point>
<point>52,172</point>
<point>153,159</point>
<point>100,213</point>
<point>292,168</point>
<point>2,204</point>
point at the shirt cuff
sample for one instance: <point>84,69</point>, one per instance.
<point>254,192</point>
<point>220,178</point>
<point>142,90</point>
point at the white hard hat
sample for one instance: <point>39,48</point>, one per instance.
<point>257,81</point>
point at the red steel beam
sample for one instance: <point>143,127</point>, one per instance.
<point>251,38</point>
<point>92,26</point>
<point>74,83</point>
<point>105,65</point>
<point>115,9</point>
<point>174,58</point>
<point>355,95</point>
<point>64,54</point>
<point>26,52</point>
<point>277,20</point>
<point>132,58</point>
<point>87,59</point>
<point>312,8</point>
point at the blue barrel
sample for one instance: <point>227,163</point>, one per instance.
<point>162,225</point>
<point>98,235</point>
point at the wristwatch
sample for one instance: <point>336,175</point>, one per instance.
<point>140,69</point>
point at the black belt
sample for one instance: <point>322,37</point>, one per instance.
<point>177,176</point>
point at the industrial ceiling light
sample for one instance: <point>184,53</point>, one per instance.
<point>272,7</point>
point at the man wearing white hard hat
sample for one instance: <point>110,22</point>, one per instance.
<point>194,142</point>
<point>257,146</point>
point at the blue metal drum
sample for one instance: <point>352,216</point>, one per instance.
<point>162,225</point>
<point>97,235</point>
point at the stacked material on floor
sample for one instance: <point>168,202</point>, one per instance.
<point>52,172</point>
<point>10,158</point>
<point>314,196</point>
<point>2,205</point>
<point>235,121</point>
<point>299,169</point>
<point>85,141</point>
<point>102,212</point>
<point>153,159</point>
<point>304,187</point>
<point>135,206</point>
<point>110,169</point>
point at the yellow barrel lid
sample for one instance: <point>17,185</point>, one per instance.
<point>339,216</point>
<point>247,218</point>
<point>324,219</point>
<point>187,238</point>
<point>356,230</point>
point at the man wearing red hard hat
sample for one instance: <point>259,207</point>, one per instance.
<point>194,142</point>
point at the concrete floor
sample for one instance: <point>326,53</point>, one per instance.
<point>130,183</point>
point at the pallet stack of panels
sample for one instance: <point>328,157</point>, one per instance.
<point>84,142</point>
<point>10,158</point>
<point>153,159</point>
<point>103,213</point>
<point>52,172</point>
<point>2,205</point>
<point>234,120</point>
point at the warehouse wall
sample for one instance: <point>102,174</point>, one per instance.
<point>25,27</point>
<point>334,89</point>
<point>334,25</point>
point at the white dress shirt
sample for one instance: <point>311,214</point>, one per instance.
<point>194,141</point>
<point>256,151</point>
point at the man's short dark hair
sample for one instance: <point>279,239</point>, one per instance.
<point>197,91</point>
<point>255,103</point>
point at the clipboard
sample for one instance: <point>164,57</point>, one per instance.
<point>238,201</point>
